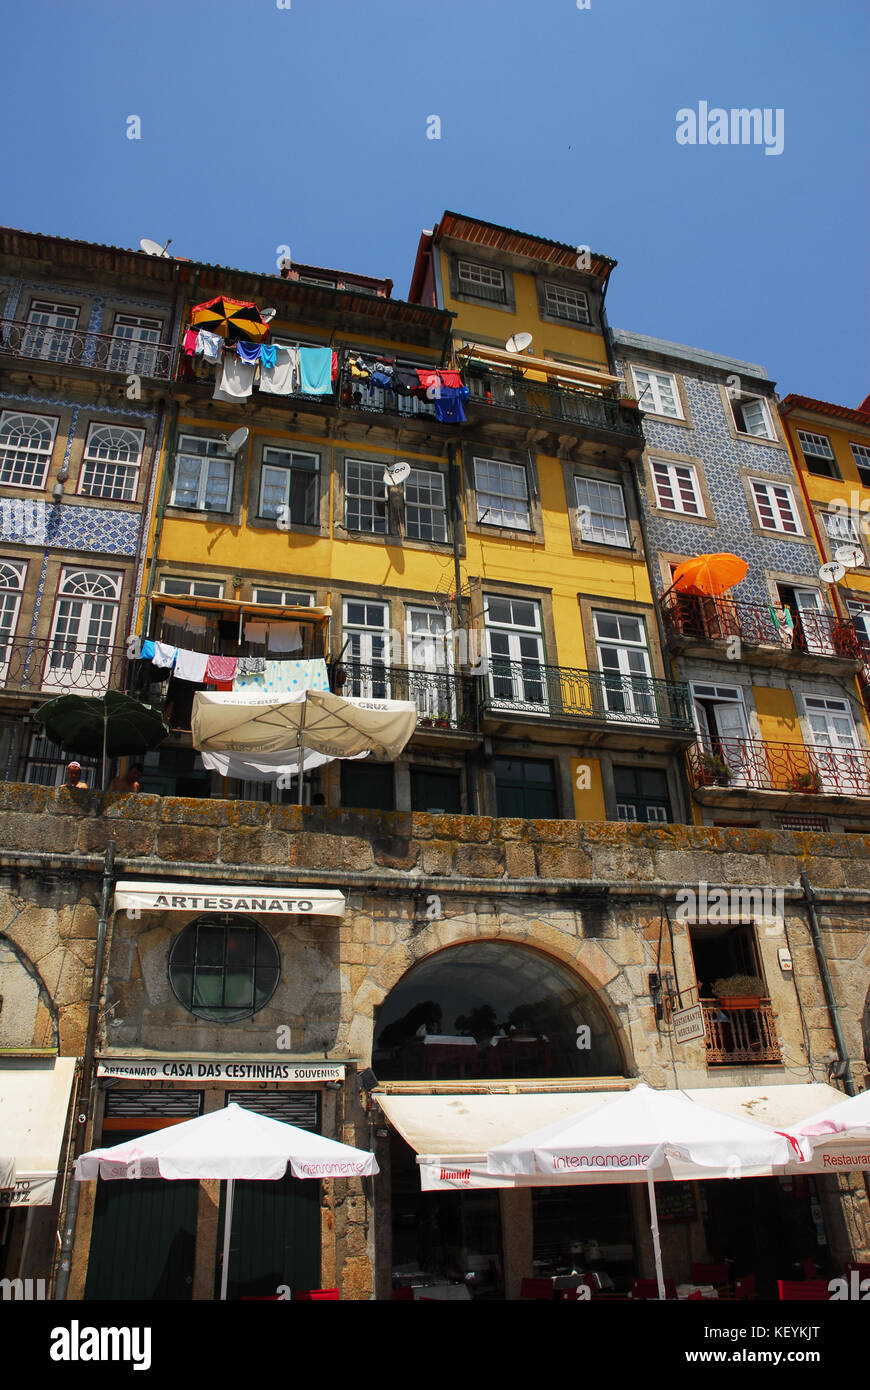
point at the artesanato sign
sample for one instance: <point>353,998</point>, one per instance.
<point>219,897</point>
<point>212,1069</point>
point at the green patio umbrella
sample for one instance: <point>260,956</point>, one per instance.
<point>107,726</point>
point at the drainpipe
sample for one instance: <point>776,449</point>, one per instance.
<point>161,511</point>
<point>785,411</point>
<point>827,986</point>
<point>83,1106</point>
<point>455,521</point>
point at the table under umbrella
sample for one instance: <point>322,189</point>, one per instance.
<point>230,1144</point>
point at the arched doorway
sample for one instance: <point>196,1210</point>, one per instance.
<point>480,1013</point>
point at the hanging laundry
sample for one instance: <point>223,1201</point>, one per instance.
<point>438,378</point>
<point>359,369</point>
<point>282,378</point>
<point>190,666</point>
<point>284,637</point>
<point>164,655</point>
<point>315,365</point>
<point>406,382</point>
<point>250,666</point>
<point>190,340</point>
<point>256,632</point>
<point>249,352</point>
<point>285,677</point>
<point>208,345</point>
<point>334,364</point>
<point>221,668</point>
<point>448,405</point>
<point>234,379</point>
<point>268,354</point>
<point>147,650</point>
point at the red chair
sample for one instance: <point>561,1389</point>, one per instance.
<point>716,1274</point>
<point>803,1290</point>
<point>695,1297</point>
<point>317,1295</point>
<point>648,1288</point>
<point>405,1294</point>
<point>536,1288</point>
<point>745,1287</point>
<point>862,1267</point>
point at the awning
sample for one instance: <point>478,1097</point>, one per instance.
<point>451,1133</point>
<point>34,1105</point>
<point>163,896</point>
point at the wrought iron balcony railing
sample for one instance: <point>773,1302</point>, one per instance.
<point>736,1036</point>
<point>755,765</point>
<point>760,624</point>
<point>443,699</point>
<point>560,692</point>
<point>59,666</point>
<point>80,348</point>
<point>576,407</point>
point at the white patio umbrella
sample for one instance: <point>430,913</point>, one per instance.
<point>830,1129</point>
<point>229,1144</point>
<point>640,1130</point>
<point>335,726</point>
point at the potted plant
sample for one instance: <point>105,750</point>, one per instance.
<point>442,722</point>
<point>630,401</point>
<point>715,770</point>
<point>809,781</point>
<point>739,991</point>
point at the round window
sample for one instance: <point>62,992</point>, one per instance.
<point>224,968</point>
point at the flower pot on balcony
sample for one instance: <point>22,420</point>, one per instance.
<point>740,1001</point>
<point>630,402</point>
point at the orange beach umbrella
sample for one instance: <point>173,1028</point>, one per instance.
<point>230,318</point>
<point>709,574</point>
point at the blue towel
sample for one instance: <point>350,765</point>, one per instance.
<point>315,365</point>
<point>268,354</point>
<point>249,352</point>
<point>147,652</point>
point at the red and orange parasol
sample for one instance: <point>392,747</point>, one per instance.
<point>230,318</point>
<point>709,574</point>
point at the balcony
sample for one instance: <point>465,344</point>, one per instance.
<point>737,1037</point>
<point>49,667</point>
<point>694,623</point>
<point>446,703</point>
<point>554,405</point>
<point>553,700</point>
<point>732,766</point>
<point>76,347</point>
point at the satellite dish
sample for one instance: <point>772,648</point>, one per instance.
<point>849,555</point>
<point>519,342</point>
<point>237,439</point>
<point>831,572</point>
<point>153,248</point>
<point>396,474</point>
<point>285,263</point>
<point>267,315</point>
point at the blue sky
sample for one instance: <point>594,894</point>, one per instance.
<point>307,126</point>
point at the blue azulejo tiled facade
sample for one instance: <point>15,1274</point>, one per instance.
<point>707,437</point>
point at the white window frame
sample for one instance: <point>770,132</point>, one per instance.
<point>627,693</point>
<point>12,577</point>
<point>195,588</point>
<point>288,598</point>
<point>431,479</point>
<point>107,468</point>
<point>367,638</point>
<point>73,646</point>
<point>841,529</point>
<point>36,457</point>
<point>576,312</point>
<point>491,504</point>
<point>674,485</point>
<point>861,456</point>
<point>489,277</point>
<point>135,351</point>
<point>649,392</point>
<point>595,529</point>
<point>271,460</point>
<point>775,506</point>
<point>373,499</point>
<point>768,431</point>
<point>520,644</point>
<point>40,340</point>
<point>208,456</point>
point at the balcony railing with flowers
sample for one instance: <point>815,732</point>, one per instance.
<point>738,1036</point>
<point>60,666</point>
<point>560,692</point>
<point>79,348</point>
<point>759,624</point>
<point>755,765</point>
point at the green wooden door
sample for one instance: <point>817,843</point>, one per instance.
<point>143,1239</point>
<point>275,1238</point>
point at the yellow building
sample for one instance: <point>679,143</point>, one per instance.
<point>502,584</point>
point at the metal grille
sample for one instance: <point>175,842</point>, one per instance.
<point>802,822</point>
<point>145,1105</point>
<point>300,1108</point>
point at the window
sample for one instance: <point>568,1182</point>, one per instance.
<point>841,529</point>
<point>435,792</point>
<point>624,661</point>
<point>284,598</point>
<point>366,632</point>
<point>818,454</point>
<point>131,349</point>
<point>51,331</point>
<point>191,588</point>
<point>601,512</point>
<point>641,794</point>
<point>676,487</point>
<point>224,968</point>
<point>861,455</point>
<point>525,787</point>
<point>26,442</point>
<point>289,481</point>
<point>657,393</point>
<point>723,729</point>
<point>838,764</point>
<point>516,654</point>
<point>111,462</point>
<point>563,303</point>
<point>860,615</point>
<point>752,416</point>
<point>481,281</point>
<point>365,497</point>
<point>425,506</point>
<point>502,494</point>
<point>370,786</point>
<point>12,574</point>
<point>203,475</point>
<point>775,505</point>
<point>79,656</point>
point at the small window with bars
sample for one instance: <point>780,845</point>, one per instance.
<point>563,303</point>
<point>481,281</point>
